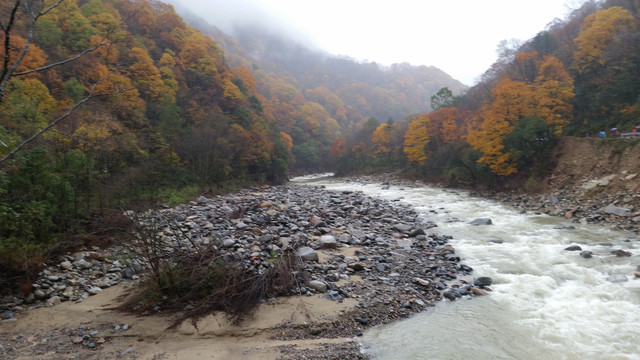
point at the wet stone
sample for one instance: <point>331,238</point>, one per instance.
<point>586,254</point>
<point>483,281</point>
<point>621,253</point>
<point>481,221</point>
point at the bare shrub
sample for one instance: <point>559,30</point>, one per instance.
<point>201,279</point>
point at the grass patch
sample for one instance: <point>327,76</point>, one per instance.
<point>173,197</point>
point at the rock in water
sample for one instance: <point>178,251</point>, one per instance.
<point>621,253</point>
<point>586,254</point>
<point>481,221</point>
<point>449,295</point>
<point>573,248</point>
<point>483,281</point>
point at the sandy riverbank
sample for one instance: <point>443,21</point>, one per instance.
<point>40,333</point>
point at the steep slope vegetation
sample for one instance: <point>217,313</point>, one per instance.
<point>161,116</point>
<point>303,87</point>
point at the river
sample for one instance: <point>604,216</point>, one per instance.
<point>547,302</point>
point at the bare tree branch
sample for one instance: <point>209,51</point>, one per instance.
<point>63,61</point>
<point>91,94</point>
<point>8,72</point>
<point>7,45</point>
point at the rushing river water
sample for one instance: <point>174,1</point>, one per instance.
<point>547,303</point>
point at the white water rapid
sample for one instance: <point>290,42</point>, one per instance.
<point>547,302</point>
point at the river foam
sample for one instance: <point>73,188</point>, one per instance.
<point>547,303</point>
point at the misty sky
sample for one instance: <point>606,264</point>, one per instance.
<point>457,36</point>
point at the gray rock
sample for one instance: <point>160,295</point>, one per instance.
<point>334,295</point>
<point>228,243</point>
<point>573,248</point>
<point>202,200</point>
<point>8,314</point>
<point>616,210</point>
<point>82,264</point>
<point>39,294</point>
<point>481,221</point>
<point>344,238</point>
<point>318,285</point>
<point>358,234</point>
<point>66,265</point>
<point>328,242</point>
<point>308,254</point>
<point>93,290</point>
<point>128,273</point>
<point>402,227</point>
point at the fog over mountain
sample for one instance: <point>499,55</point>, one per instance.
<point>458,37</point>
<point>230,16</point>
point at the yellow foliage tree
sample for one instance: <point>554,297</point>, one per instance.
<point>511,102</point>
<point>599,31</point>
<point>381,140</point>
<point>416,138</point>
<point>145,75</point>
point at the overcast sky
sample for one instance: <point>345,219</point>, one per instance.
<point>457,36</point>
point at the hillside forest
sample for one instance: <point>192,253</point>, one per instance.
<point>111,104</point>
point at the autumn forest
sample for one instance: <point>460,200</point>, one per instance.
<point>111,104</point>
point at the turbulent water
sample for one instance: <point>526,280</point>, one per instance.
<point>547,303</point>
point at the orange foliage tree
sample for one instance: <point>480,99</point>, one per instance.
<point>547,98</point>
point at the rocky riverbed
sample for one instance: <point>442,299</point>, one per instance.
<point>586,204</point>
<point>375,255</point>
